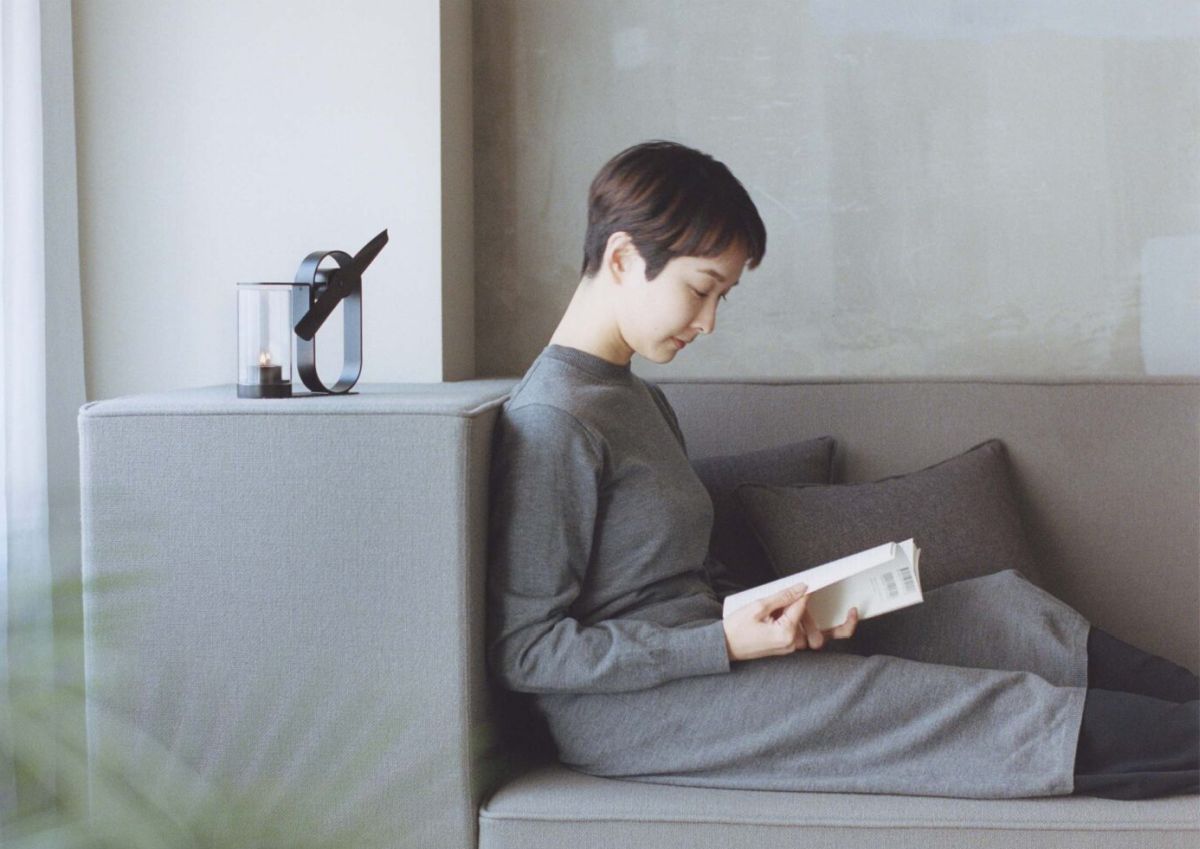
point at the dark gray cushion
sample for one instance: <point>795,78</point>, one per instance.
<point>962,513</point>
<point>732,542</point>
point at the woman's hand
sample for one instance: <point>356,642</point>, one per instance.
<point>779,624</point>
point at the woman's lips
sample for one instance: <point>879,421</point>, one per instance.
<point>678,343</point>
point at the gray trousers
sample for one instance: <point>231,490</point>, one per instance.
<point>978,692</point>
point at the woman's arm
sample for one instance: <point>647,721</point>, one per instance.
<point>546,478</point>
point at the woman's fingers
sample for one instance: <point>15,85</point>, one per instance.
<point>805,633</point>
<point>808,635</point>
<point>846,629</point>
<point>792,600</point>
<point>816,639</point>
<point>796,617</point>
<point>791,618</point>
<point>792,595</point>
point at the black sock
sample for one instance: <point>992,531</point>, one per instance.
<point>1116,665</point>
<point>1137,747</point>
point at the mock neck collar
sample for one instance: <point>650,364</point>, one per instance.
<point>589,362</point>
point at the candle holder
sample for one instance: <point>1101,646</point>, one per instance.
<point>268,313</point>
<point>264,340</point>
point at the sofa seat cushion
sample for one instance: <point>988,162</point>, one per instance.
<point>553,806</point>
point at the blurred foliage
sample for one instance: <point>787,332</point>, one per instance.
<point>140,794</point>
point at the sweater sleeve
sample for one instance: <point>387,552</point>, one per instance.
<point>546,478</point>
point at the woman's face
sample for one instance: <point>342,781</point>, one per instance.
<point>679,304</point>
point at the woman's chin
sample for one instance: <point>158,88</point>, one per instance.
<point>669,349</point>
<point>663,352</point>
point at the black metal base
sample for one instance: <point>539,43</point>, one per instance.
<point>265,390</point>
<point>322,394</point>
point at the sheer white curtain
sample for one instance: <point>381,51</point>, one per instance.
<point>41,353</point>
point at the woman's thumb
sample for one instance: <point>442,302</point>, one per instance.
<point>793,592</point>
<point>788,596</point>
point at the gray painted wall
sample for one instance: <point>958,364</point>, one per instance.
<point>949,187</point>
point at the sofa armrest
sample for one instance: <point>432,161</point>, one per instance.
<point>309,600</point>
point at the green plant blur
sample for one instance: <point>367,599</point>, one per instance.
<point>133,792</point>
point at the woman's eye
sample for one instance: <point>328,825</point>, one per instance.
<point>700,294</point>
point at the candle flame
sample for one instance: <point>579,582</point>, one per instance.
<point>264,358</point>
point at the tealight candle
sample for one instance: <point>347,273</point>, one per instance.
<point>268,373</point>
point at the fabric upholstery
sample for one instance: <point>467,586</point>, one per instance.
<point>307,590</point>
<point>554,806</point>
<point>732,540</point>
<point>961,512</point>
<point>317,571</point>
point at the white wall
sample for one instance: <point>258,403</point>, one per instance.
<point>221,141</point>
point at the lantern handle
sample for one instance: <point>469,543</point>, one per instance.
<point>303,297</point>
<point>342,283</point>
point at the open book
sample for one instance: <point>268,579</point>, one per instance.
<point>876,581</point>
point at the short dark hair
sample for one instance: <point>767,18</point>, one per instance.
<point>673,201</point>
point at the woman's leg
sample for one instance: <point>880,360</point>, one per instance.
<point>1140,733</point>
<point>1136,739</point>
<point>832,722</point>
<point>1002,621</point>
<point>1137,747</point>
<point>998,621</point>
<point>1116,665</point>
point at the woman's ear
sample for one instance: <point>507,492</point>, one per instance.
<point>621,259</point>
<point>613,259</point>
<point>623,255</point>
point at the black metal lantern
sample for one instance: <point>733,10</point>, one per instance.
<point>269,312</point>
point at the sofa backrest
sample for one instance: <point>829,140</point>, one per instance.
<point>1107,470</point>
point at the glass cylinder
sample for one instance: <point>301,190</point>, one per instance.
<point>264,340</point>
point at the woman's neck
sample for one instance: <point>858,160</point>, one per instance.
<point>588,325</point>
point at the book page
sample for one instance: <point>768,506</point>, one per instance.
<point>880,590</point>
<point>817,577</point>
<point>876,581</point>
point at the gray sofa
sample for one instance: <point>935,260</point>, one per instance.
<point>312,614</point>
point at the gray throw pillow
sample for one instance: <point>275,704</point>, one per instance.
<point>962,513</point>
<point>732,542</point>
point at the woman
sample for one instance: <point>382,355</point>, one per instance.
<point>601,607</point>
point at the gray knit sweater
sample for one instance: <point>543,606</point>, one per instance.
<point>599,536</point>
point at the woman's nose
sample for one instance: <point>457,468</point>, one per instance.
<point>706,321</point>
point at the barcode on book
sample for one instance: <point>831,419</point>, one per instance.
<point>892,587</point>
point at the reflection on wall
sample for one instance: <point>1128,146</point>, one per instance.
<point>949,187</point>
